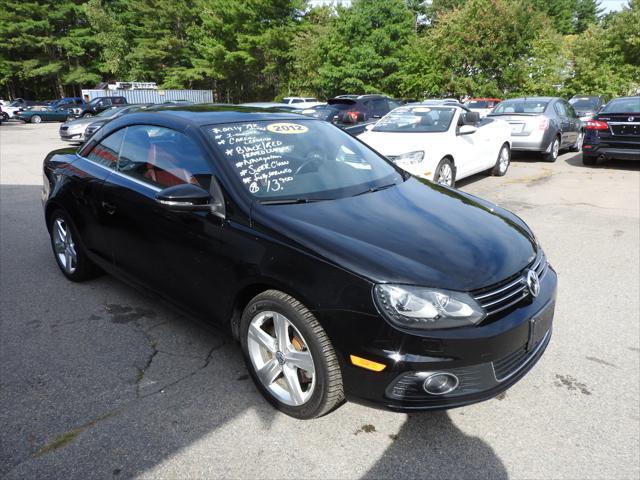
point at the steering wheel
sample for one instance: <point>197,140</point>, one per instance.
<point>312,157</point>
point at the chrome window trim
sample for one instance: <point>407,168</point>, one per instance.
<point>120,174</point>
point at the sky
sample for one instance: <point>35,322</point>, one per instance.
<point>607,5</point>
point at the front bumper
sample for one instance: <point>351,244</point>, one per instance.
<point>72,137</point>
<point>487,359</point>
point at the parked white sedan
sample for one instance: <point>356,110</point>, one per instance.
<point>442,143</point>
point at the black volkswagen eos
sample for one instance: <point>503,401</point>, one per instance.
<point>342,276</point>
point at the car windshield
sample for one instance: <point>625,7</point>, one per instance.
<point>478,104</point>
<point>416,118</point>
<point>584,103</point>
<point>520,106</point>
<point>299,160</point>
<point>623,105</point>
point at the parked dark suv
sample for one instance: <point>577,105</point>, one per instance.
<point>99,104</point>
<point>586,107</point>
<point>614,132</point>
<point>346,110</point>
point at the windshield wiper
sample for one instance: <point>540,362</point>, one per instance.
<point>376,189</point>
<point>287,201</point>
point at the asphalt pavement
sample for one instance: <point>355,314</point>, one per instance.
<point>99,381</point>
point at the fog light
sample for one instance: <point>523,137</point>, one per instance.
<point>440,383</point>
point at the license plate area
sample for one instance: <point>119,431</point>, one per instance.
<point>516,127</point>
<point>539,325</point>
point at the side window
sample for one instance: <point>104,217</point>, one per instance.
<point>570,110</point>
<point>560,110</point>
<point>163,158</point>
<point>106,152</point>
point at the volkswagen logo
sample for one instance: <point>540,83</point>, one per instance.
<point>630,119</point>
<point>281,358</point>
<point>533,283</point>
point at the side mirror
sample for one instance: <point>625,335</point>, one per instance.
<point>185,198</point>
<point>471,118</point>
<point>466,130</point>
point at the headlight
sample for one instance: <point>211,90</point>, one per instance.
<point>424,308</point>
<point>409,158</point>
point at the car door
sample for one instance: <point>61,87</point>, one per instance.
<point>565,124</point>
<point>173,253</point>
<point>576,124</point>
<point>95,163</point>
<point>469,148</point>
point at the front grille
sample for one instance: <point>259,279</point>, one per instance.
<point>512,291</point>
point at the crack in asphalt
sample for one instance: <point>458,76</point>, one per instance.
<point>206,363</point>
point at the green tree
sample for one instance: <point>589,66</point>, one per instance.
<point>587,12</point>
<point>361,51</point>
<point>46,48</point>
<point>481,49</point>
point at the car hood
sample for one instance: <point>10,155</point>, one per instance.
<point>397,143</point>
<point>416,233</point>
<point>81,122</point>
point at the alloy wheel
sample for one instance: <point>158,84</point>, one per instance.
<point>64,246</point>
<point>282,361</point>
<point>555,148</point>
<point>445,175</point>
<point>504,159</point>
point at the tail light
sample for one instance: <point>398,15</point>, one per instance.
<point>353,116</point>
<point>597,125</point>
<point>544,124</point>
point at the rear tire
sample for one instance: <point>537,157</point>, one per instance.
<point>503,161</point>
<point>67,249</point>
<point>277,335</point>
<point>445,173</point>
<point>554,151</point>
<point>589,160</point>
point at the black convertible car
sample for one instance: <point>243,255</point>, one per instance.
<point>342,276</point>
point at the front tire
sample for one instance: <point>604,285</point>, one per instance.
<point>445,173</point>
<point>554,151</point>
<point>67,250</point>
<point>503,162</point>
<point>289,356</point>
<point>36,119</point>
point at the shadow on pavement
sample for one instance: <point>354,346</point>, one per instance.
<point>429,445</point>
<point>97,379</point>
<point>629,165</point>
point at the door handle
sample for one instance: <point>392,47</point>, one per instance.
<point>110,208</point>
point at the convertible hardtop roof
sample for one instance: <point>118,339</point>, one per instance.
<point>205,114</point>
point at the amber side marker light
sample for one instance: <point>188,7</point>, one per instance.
<point>368,364</point>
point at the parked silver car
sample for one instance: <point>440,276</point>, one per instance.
<point>541,124</point>
<point>76,131</point>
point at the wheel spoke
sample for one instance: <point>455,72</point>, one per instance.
<point>62,233</point>
<point>281,328</point>
<point>269,372</point>
<point>262,338</point>
<point>291,377</point>
<point>302,360</point>
<point>67,261</point>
